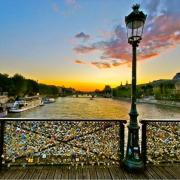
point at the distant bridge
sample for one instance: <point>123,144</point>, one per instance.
<point>84,95</point>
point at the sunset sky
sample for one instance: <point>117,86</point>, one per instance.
<point>83,43</point>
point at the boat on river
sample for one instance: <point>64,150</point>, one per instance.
<point>25,104</point>
<point>49,100</point>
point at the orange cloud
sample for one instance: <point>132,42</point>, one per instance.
<point>101,65</point>
<point>161,33</point>
<point>142,57</point>
<point>79,62</point>
<point>116,63</point>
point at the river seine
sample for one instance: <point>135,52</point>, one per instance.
<point>98,108</point>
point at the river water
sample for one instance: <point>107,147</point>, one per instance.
<point>98,108</point>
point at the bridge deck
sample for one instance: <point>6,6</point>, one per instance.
<point>93,172</point>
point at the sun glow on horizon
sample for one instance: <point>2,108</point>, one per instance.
<point>85,47</point>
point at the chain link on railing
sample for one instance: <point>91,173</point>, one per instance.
<point>71,142</point>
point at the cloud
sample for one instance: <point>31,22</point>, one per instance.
<point>160,35</point>
<point>171,7</point>
<point>161,32</point>
<point>109,64</point>
<point>151,8</point>
<point>82,36</point>
<point>116,63</point>
<point>115,48</point>
<point>101,65</point>
<point>79,62</point>
<point>84,49</point>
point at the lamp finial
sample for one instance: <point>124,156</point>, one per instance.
<point>136,7</point>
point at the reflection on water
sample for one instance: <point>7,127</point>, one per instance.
<point>98,108</point>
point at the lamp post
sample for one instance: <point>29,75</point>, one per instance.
<point>134,23</point>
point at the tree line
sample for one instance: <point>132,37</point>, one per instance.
<point>160,90</point>
<point>18,85</point>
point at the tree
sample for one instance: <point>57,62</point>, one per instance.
<point>48,89</point>
<point>19,85</point>
<point>107,89</point>
<point>4,82</point>
<point>32,87</point>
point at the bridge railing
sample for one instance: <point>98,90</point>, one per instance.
<point>83,142</point>
<point>55,141</point>
<point>160,141</point>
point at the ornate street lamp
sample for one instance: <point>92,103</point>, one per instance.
<point>134,23</point>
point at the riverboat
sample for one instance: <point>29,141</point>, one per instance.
<point>25,104</point>
<point>49,100</point>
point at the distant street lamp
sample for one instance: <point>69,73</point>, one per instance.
<point>134,23</point>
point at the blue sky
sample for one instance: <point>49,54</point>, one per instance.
<point>79,43</point>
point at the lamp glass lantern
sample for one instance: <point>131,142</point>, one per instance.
<point>135,24</point>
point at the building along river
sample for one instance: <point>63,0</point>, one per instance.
<point>98,108</point>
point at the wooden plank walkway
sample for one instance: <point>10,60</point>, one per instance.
<point>89,172</point>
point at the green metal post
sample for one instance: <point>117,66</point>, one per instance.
<point>2,124</point>
<point>121,142</point>
<point>144,142</point>
<point>133,160</point>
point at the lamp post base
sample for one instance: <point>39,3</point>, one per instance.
<point>133,161</point>
<point>135,166</point>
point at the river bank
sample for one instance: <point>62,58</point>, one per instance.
<point>160,102</point>
<point>152,101</point>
